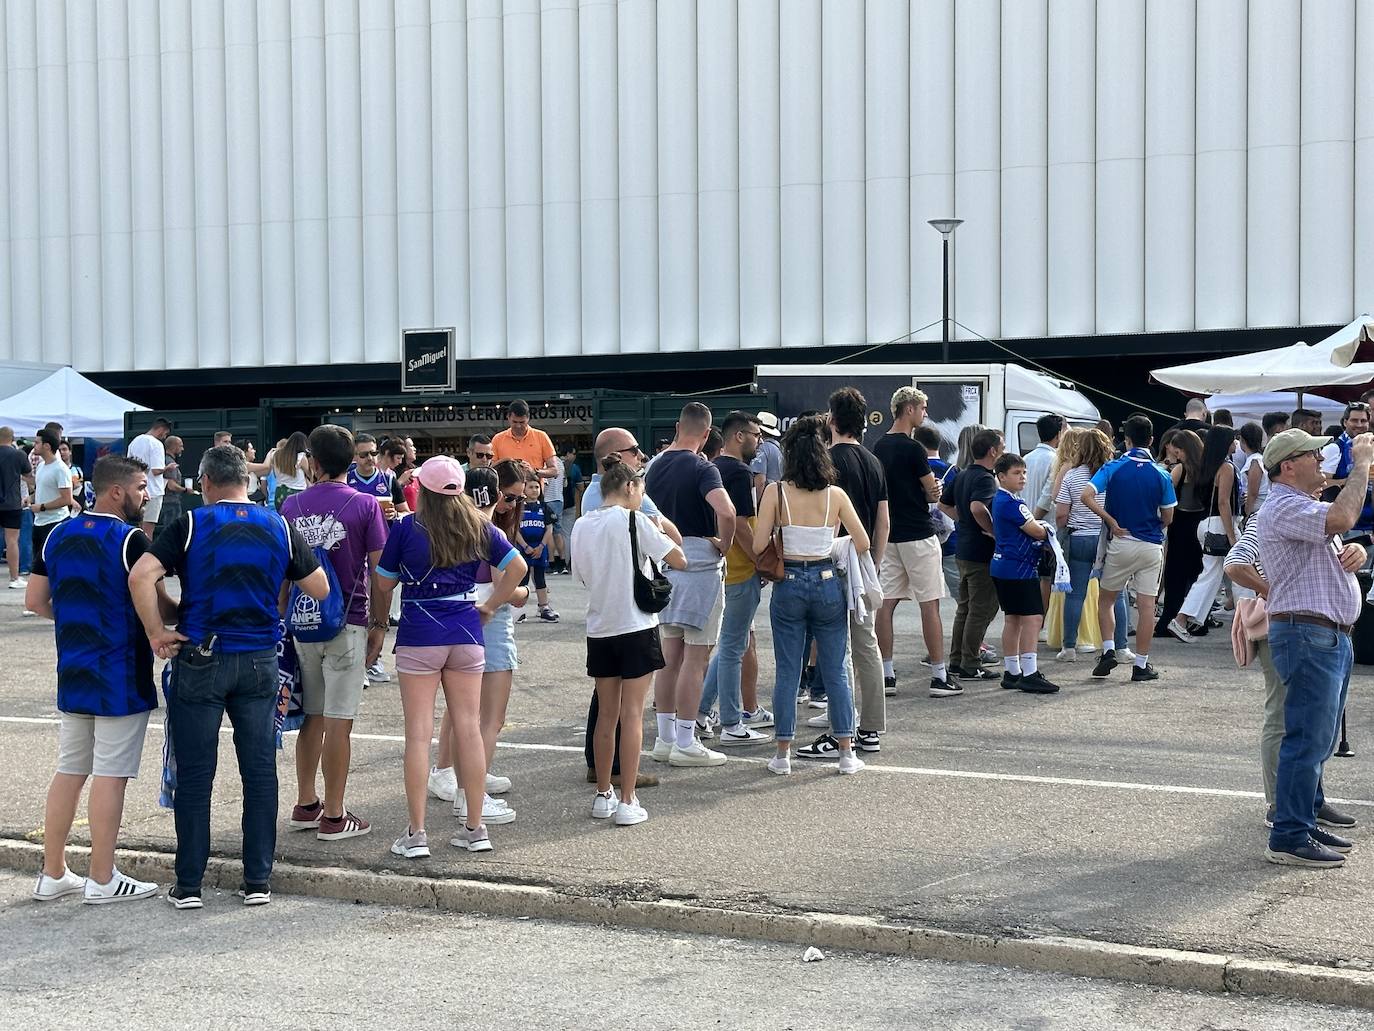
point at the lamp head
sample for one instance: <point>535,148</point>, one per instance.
<point>945,226</point>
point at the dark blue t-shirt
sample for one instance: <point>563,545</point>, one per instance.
<point>945,474</point>
<point>533,522</point>
<point>1017,553</point>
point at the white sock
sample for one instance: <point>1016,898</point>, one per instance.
<point>847,753</point>
<point>1028,663</point>
<point>1012,664</point>
<point>888,669</point>
<point>1142,661</point>
<point>667,721</point>
<point>686,733</point>
<point>939,671</point>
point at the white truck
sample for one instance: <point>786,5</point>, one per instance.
<point>995,394</point>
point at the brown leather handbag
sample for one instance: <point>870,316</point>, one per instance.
<point>769,560</point>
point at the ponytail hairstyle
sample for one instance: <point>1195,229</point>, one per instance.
<point>510,474</point>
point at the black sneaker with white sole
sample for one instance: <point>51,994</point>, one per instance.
<point>868,741</point>
<point>945,688</point>
<point>1105,665</point>
<point>972,673</point>
<point>1334,842</point>
<point>184,898</point>
<point>1329,816</point>
<point>890,686</point>
<point>1309,853</point>
<point>255,894</point>
<point>1140,674</point>
<point>824,747</point>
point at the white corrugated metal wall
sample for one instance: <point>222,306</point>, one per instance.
<point>209,183</point>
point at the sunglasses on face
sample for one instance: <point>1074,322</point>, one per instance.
<point>483,456</point>
<point>367,454</point>
<point>512,499</point>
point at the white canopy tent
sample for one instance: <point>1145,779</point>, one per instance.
<point>1299,366</point>
<point>83,408</point>
<point>1255,406</point>
<point>1341,346</point>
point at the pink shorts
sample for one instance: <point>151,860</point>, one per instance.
<point>463,658</point>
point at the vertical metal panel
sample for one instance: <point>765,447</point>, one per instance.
<point>1169,103</point>
<point>932,158</point>
<point>887,169</point>
<point>842,171</point>
<point>6,145</point>
<point>1024,162</point>
<point>275,149</point>
<point>449,96</point>
<point>377,64</point>
<point>637,74</point>
<point>799,162</point>
<point>211,183</point>
<point>599,177</point>
<point>718,174</point>
<point>1121,167</point>
<point>143,345</point>
<point>977,166</point>
<point>1221,142</point>
<point>760,228</point>
<point>244,184</point>
<point>1328,162</point>
<point>524,181</point>
<point>1364,162</point>
<point>343,133</point>
<point>1272,163</point>
<point>54,221</point>
<point>414,166</point>
<point>486,180</point>
<point>309,183</point>
<point>677,176</point>
<point>1070,264</point>
<point>181,303</point>
<point>21,32</point>
<point>560,183</point>
<point>84,151</point>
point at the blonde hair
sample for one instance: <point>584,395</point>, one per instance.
<point>906,396</point>
<point>1094,449</point>
<point>456,530</point>
<point>1070,446</point>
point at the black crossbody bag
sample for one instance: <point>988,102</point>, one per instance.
<point>651,592</point>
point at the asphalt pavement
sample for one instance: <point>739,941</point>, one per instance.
<point>1112,811</point>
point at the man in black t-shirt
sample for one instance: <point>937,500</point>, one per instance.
<point>971,508</point>
<point>912,564</point>
<point>14,467</point>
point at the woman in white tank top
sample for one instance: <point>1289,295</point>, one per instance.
<point>806,509</point>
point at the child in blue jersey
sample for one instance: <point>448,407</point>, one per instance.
<point>1020,539</point>
<point>536,536</point>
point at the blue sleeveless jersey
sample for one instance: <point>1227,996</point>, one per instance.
<point>104,662</point>
<point>1345,444</point>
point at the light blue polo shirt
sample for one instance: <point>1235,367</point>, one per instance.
<point>1136,490</point>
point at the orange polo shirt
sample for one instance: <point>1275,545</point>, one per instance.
<point>534,447</point>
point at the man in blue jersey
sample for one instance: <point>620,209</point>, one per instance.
<point>104,676</point>
<point>367,476</point>
<point>1337,461</point>
<point>233,559</point>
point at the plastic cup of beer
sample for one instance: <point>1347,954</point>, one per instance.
<point>388,507</point>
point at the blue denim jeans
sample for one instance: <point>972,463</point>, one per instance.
<point>1082,554</point>
<point>723,671</point>
<point>26,540</point>
<point>243,684</point>
<point>1314,665</point>
<point>810,597</point>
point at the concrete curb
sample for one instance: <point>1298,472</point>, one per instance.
<point>1080,957</point>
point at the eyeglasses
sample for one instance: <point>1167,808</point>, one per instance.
<point>633,449</point>
<point>367,454</point>
<point>512,499</point>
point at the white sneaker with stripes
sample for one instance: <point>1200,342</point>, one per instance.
<point>121,888</point>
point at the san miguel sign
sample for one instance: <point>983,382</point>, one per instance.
<point>427,361</point>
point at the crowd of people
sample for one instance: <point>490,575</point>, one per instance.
<point>312,558</point>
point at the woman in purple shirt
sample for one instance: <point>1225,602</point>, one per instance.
<point>435,555</point>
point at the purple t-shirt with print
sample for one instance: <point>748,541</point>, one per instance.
<point>433,608</point>
<point>348,525</point>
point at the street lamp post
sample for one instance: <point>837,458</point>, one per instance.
<point>945,227</point>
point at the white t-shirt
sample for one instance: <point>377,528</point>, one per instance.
<point>601,560</point>
<point>52,478</point>
<point>553,485</point>
<point>149,450</point>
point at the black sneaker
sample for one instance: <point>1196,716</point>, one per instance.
<point>1139,674</point>
<point>1011,681</point>
<point>1308,854</point>
<point>1269,817</point>
<point>945,688</point>
<point>1329,816</point>
<point>1198,629</point>
<point>824,747</point>
<point>889,686</point>
<point>974,673</point>
<point>1105,665</point>
<point>1334,842</point>
<point>184,898</point>
<point>255,894</point>
<point>868,741</point>
<point>1035,683</point>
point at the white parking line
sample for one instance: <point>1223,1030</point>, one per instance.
<point>911,771</point>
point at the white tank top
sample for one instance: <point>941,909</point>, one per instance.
<point>806,541</point>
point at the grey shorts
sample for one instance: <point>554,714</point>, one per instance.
<point>333,673</point>
<point>101,746</point>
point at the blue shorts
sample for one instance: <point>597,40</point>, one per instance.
<point>498,637</point>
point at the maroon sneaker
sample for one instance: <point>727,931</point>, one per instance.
<point>335,828</point>
<point>306,817</point>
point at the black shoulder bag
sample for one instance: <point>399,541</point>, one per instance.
<point>651,592</point>
<point>1214,544</point>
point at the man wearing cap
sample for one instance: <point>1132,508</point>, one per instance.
<point>767,464</point>
<point>1313,604</point>
<point>349,527</point>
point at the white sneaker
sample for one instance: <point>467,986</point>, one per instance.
<point>1044,637</point>
<point>780,764</point>
<point>377,673</point>
<point>443,783</point>
<point>494,810</point>
<point>695,754</point>
<point>759,718</point>
<point>821,720</point>
<point>739,734</point>
<point>1125,655</point>
<point>1179,631</point>
<point>627,814</point>
<point>411,845</point>
<point>1067,655</point>
<point>851,764</point>
<point>28,612</point>
<point>706,730</point>
<point>1088,649</point>
<point>49,888</point>
<point>121,888</point>
<point>473,840</point>
<point>604,806</point>
<point>497,785</point>
<point>663,750</point>
<point>18,584</point>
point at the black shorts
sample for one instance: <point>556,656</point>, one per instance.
<point>627,656</point>
<point>12,519</point>
<point>1019,597</point>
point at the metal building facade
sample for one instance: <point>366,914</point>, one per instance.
<point>218,183</point>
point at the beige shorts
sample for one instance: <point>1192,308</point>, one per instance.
<point>333,674</point>
<point>913,571</point>
<point>101,746</point>
<point>707,635</point>
<point>1138,564</point>
<point>152,511</point>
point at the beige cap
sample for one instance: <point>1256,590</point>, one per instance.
<point>1289,443</point>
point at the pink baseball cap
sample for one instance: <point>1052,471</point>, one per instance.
<point>441,474</point>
